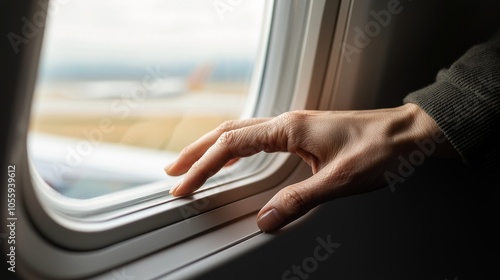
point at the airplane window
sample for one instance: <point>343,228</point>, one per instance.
<point>123,86</point>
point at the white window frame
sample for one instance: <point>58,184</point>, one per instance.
<point>108,219</point>
<point>303,33</point>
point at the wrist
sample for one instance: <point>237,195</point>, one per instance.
<point>424,133</point>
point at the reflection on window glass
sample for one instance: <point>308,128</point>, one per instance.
<point>123,86</point>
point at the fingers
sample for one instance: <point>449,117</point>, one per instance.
<point>193,152</point>
<point>242,142</point>
<point>296,200</point>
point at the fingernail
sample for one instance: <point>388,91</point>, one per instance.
<point>174,188</point>
<point>270,221</point>
<point>167,167</point>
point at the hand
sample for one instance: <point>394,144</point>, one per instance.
<point>349,153</point>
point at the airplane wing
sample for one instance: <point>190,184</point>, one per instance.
<point>155,87</point>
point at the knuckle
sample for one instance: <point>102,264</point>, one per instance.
<point>227,138</point>
<point>293,127</point>
<point>293,200</point>
<point>293,116</point>
<point>226,126</point>
<point>289,118</point>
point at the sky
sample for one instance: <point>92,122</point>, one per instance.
<point>148,32</point>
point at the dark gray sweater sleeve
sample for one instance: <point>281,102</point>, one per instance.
<point>465,103</point>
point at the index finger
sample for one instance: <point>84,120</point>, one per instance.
<point>193,152</point>
<point>242,142</point>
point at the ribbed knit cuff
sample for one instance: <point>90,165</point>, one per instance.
<point>465,103</point>
<point>469,123</point>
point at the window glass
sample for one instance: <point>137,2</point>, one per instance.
<point>123,86</point>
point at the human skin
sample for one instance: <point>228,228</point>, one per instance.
<point>348,151</point>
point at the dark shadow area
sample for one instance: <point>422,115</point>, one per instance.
<point>439,224</point>
<point>431,35</point>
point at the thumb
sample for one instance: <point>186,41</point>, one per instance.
<point>291,203</point>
